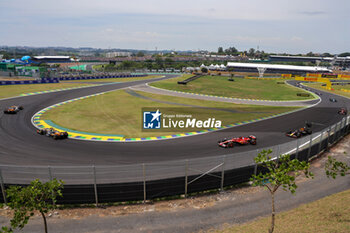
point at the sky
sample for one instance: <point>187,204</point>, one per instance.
<point>297,26</point>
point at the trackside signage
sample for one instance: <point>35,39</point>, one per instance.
<point>174,119</point>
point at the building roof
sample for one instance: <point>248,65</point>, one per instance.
<point>278,67</point>
<point>51,57</point>
<point>301,57</point>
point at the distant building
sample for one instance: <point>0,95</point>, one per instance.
<point>118,54</point>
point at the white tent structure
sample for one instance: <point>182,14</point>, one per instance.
<point>211,67</point>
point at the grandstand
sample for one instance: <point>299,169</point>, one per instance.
<point>337,61</point>
<point>272,68</point>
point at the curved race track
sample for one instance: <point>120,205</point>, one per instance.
<point>20,145</point>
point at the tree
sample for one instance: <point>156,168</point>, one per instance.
<point>140,54</point>
<point>220,50</point>
<point>251,52</point>
<point>334,168</point>
<point>168,61</point>
<point>310,54</point>
<point>38,196</point>
<point>159,62</point>
<point>126,65</point>
<point>231,50</point>
<point>279,172</point>
<point>344,54</point>
<point>5,54</point>
<point>327,55</point>
<point>204,70</point>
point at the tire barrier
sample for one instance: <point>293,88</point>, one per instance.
<point>21,82</point>
<point>303,94</point>
<point>106,184</point>
<point>184,82</point>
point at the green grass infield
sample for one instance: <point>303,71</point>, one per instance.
<point>120,112</point>
<point>239,88</point>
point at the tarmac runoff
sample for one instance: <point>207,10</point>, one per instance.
<point>77,135</point>
<point>289,103</point>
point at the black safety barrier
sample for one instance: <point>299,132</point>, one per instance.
<point>21,82</point>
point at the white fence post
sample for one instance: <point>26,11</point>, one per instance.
<point>144,182</point>
<point>310,146</point>
<point>50,173</point>
<point>297,150</point>
<point>95,184</point>
<point>186,177</point>
<point>320,144</point>
<point>223,173</point>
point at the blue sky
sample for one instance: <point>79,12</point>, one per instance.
<point>297,26</point>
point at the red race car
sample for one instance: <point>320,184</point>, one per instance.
<point>343,111</point>
<point>229,143</point>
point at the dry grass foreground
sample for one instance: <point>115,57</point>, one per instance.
<point>330,214</point>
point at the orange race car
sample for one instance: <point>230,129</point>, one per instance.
<point>51,132</point>
<point>13,109</point>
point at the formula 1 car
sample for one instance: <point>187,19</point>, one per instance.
<point>13,109</point>
<point>51,132</point>
<point>300,132</point>
<point>229,143</point>
<point>332,100</point>
<point>343,111</point>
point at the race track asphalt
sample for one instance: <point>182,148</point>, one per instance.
<point>21,145</point>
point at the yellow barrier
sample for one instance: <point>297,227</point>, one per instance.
<point>345,90</point>
<point>313,75</point>
<point>314,79</point>
<point>344,76</point>
<point>246,77</point>
<point>286,75</point>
